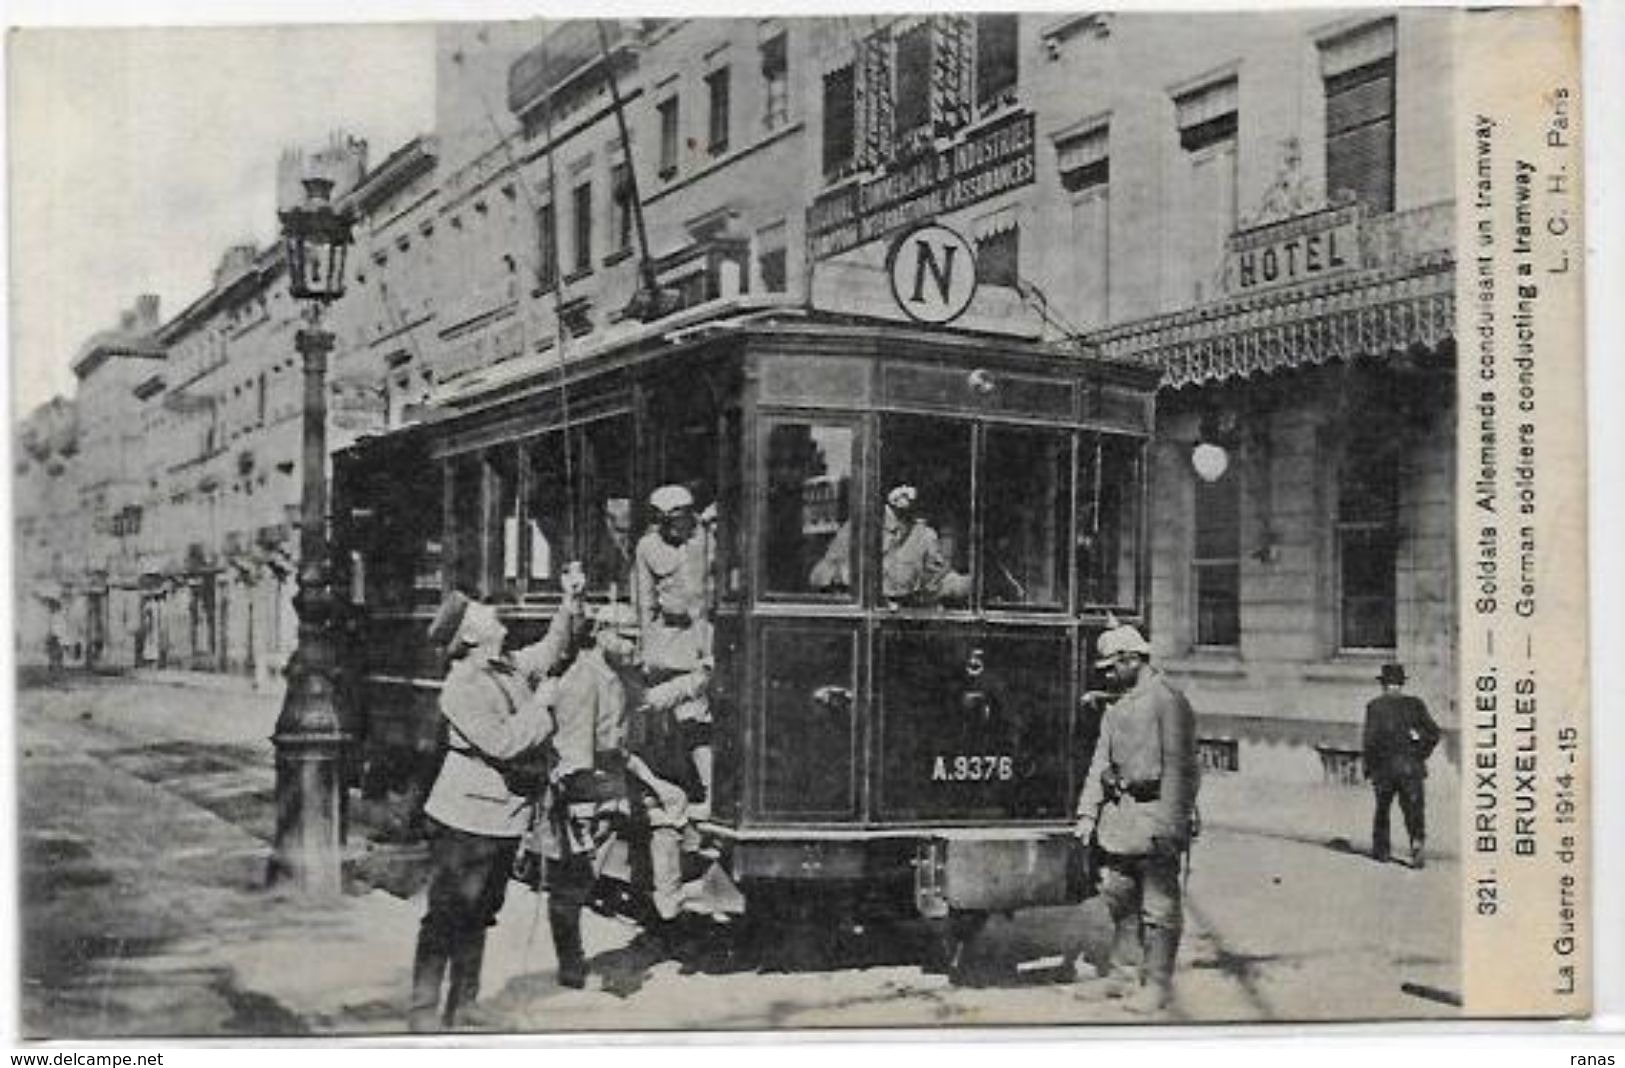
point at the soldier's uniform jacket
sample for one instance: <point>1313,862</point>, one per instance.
<point>911,563</point>
<point>495,711</point>
<point>1148,741</point>
<point>1399,737</point>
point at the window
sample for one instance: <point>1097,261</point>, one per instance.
<point>1204,214</point>
<point>775,81</point>
<point>1086,176</point>
<point>1026,501</point>
<point>717,91</point>
<point>603,468</point>
<point>1367,545</point>
<point>807,542</point>
<point>1109,488</point>
<point>839,106</point>
<point>502,524</point>
<point>995,58</point>
<point>620,187</point>
<point>1358,69</point>
<point>582,207</point>
<point>997,256</point>
<point>547,515</point>
<point>770,258</point>
<point>913,97</point>
<point>547,249</point>
<point>668,138</point>
<point>1216,562</point>
<point>926,515</point>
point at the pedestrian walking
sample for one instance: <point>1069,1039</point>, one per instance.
<point>477,809</point>
<point>1400,735</point>
<point>1137,805</point>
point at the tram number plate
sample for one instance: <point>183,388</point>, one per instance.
<point>973,768</point>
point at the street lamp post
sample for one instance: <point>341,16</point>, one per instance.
<point>310,735</point>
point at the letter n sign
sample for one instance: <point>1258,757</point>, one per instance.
<point>933,274</point>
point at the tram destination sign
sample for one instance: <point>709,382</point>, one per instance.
<point>995,159</point>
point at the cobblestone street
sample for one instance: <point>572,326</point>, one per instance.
<point>146,818</point>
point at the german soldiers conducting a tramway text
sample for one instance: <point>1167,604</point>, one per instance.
<point>1137,804</point>
<point>477,810</point>
<point>1399,737</point>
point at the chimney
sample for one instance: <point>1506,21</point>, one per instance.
<point>146,311</point>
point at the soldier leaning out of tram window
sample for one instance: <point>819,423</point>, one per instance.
<point>670,586</point>
<point>914,570</point>
<point>497,708</point>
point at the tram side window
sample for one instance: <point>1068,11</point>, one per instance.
<point>1109,484</point>
<point>807,541</point>
<point>547,507</point>
<point>925,530</point>
<point>604,474</point>
<point>463,564</point>
<point>694,442</point>
<point>1025,517</point>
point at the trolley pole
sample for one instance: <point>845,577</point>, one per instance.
<point>310,735</point>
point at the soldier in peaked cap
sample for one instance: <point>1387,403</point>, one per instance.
<point>1137,803</point>
<point>1398,739</point>
<point>497,707</point>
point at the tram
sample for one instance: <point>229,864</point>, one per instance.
<point>896,745</point>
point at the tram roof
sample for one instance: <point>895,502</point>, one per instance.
<point>761,314</point>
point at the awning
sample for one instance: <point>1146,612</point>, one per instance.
<point>1370,314</point>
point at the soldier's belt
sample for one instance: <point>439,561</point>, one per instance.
<point>1148,790</point>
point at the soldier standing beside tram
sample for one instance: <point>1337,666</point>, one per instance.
<point>1137,803</point>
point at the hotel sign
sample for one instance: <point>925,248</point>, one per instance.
<point>1298,249</point>
<point>995,159</point>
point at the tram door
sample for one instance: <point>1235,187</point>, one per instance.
<point>974,645</point>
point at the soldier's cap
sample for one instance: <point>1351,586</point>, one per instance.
<point>449,619</point>
<point>617,616</point>
<point>902,497</point>
<point>1392,673</point>
<point>668,499</point>
<point>1118,640</point>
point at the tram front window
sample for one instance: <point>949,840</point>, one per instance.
<point>926,507</point>
<point>1025,506</point>
<point>604,458</point>
<point>808,536</point>
<point>1109,484</point>
<point>548,503</point>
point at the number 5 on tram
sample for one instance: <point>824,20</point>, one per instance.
<point>917,535</point>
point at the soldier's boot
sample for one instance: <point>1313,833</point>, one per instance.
<point>1417,860</point>
<point>566,926</point>
<point>428,971</point>
<point>1120,975</point>
<point>1161,948</point>
<point>666,871</point>
<point>467,961</point>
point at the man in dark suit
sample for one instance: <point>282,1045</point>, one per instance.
<point>1399,736</point>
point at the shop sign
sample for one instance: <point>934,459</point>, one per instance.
<point>995,159</point>
<point>1298,249</point>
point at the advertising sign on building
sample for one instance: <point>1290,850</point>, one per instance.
<point>995,159</point>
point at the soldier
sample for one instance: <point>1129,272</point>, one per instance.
<point>589,778</point>
<point>476,814</point>
<point>1399,738</point>
<point>1137,803</point>
<point>671,586</point>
